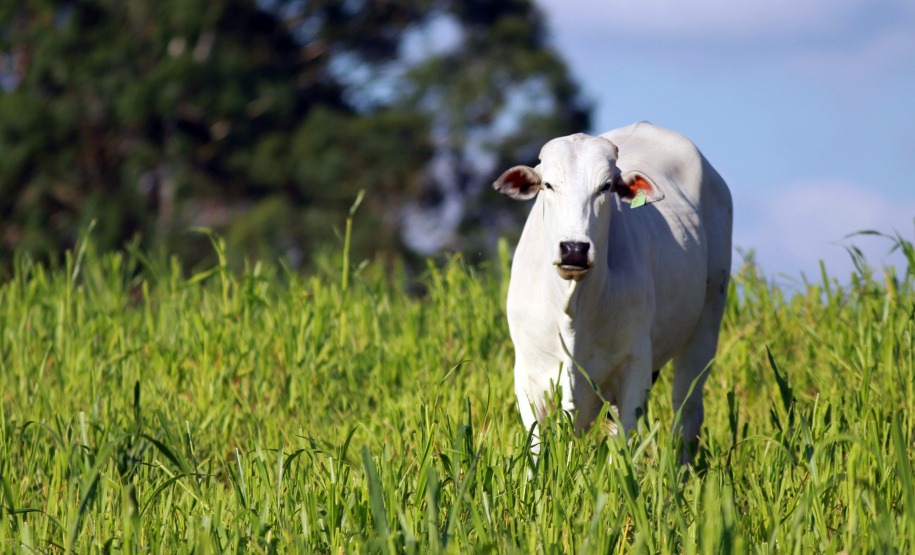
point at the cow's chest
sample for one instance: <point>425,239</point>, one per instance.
<point>593,344</point>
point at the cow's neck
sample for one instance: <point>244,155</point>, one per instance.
<point>580,302</point>
<point>576,296</point>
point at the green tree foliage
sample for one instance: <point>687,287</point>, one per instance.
<point>262,118</point>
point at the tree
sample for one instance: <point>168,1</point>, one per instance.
<point>494,99</point>
<point>261,119</point>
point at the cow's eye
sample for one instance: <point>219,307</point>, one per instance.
<point>605,187</point>
<point>547,185</point>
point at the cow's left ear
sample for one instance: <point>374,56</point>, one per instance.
<point>629,184</point>
<point>519,183</point>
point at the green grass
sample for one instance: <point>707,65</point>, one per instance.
<point>144,411</point>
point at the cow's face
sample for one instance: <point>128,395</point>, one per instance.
<point>577,175</point>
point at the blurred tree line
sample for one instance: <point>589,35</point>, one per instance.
<point>262,119</point>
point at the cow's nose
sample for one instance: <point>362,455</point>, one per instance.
<point>574,253</point>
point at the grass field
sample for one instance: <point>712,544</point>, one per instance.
<point>261,411</point>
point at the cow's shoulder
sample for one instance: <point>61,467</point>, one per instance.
<point>669,159</point>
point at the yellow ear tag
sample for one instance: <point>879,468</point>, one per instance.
<point>638,200</point>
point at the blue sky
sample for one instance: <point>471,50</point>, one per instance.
<point>806,107</point>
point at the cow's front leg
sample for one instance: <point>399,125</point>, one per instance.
<point>630,385</point>
<point>526,407</point>
<point>576,396</point>
<point>530,396</point>
<point>584,400</point>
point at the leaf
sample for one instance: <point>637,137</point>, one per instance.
<point>639,200</point>
<point>376,495</point>
<point>784,388</point>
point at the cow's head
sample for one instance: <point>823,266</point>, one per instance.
<point>577,175</point>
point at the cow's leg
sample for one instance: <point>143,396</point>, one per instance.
<point>585,401</point>
<point>526,408</point>
<point>535,383</point>
<point>689,368</point>
<point>632,381</point>
<point>690,372</point>
<point>576,396</point>
<point>530,395</point>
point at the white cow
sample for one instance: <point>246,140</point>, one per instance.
<point>621,287</point>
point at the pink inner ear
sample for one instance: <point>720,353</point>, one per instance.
<point>640,184</point>
<point>519,180</point>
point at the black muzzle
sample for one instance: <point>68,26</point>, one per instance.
<point>574,255</point>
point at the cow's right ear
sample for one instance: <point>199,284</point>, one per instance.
<point>519,183</point>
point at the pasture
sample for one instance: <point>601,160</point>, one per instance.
<point>143,410</point>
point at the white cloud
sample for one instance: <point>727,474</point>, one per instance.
<point>793,228</point>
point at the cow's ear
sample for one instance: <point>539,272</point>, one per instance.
<point>519,183</point>
<point>630,184</point>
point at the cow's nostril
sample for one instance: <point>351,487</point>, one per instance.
<point>570,247</point>
<point>574,253</point>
